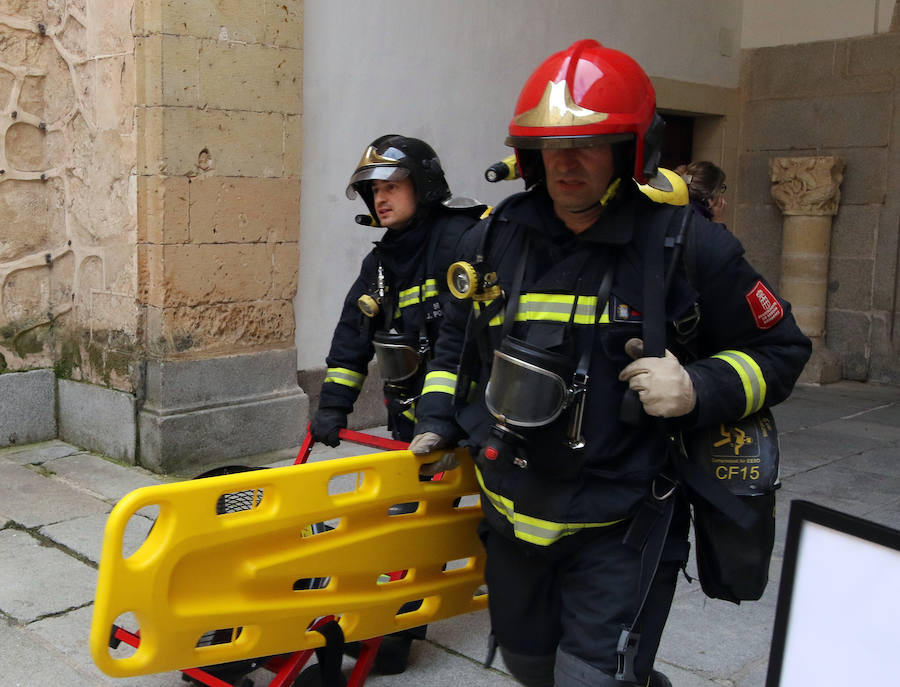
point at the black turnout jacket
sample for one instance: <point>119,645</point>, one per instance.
<point>743,353</point>
<point>415,262</point>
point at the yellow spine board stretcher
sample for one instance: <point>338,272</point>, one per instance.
<point>200,571</point>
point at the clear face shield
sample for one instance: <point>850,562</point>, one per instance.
<point>375,165</point>
<point>528,385</point>
<point>398,355</point>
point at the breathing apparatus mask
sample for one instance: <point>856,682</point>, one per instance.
<point>530,389</point>
<point>399,355</point>
<point>399,359</point>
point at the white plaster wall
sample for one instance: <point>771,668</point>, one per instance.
<point>449,72</point>
<point>783,22</point>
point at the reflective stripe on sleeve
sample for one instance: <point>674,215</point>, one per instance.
<point>440,382</point>
<point>531,529</point>
<point>751,377</point>
<point>342,375</point>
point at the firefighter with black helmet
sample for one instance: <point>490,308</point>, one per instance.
<point>394,307</point>
<point>540,369</point>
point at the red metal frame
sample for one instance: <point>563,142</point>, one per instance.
<point>357,438</point>
<point>287,667</point>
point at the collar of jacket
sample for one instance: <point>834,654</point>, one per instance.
<point>403,251</point>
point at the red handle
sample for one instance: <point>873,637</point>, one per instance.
<point>352,436</point>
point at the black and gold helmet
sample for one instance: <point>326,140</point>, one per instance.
<point>393,157</point>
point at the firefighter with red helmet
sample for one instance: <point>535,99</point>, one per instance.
<point>540,369</point>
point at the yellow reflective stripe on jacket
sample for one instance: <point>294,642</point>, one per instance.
<point>341,375</point>
<point>751,378</point>
<point>412,295</point>
<point>440,382</point>
<point>531,529</point>
<point>410,413</point>
<point>551,307</point>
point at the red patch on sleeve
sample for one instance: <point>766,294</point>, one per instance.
<point>766,309</point>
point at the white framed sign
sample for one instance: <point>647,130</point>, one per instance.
<point>837,621</point>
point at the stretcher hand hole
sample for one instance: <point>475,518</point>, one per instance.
<point>395,576</point>
<point>468,502</point>
<point>349,482</point>
<point>403,508</point>
<point>137,530</point>
<point>306,584</point>
<point>216,637</point>
<point>314,529</point>
<point>421,607</point>
<point>237,501</point>
<point>119,649</point>
<point>459,564</point>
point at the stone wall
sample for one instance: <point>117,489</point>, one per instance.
<point>67,189</point>
<point>837,98</point>
<point>218,121</point>
<point>219,138</point>
<point>150,199</point>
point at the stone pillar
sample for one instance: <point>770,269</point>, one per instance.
<point>807,190</point>
<point>218,129</point>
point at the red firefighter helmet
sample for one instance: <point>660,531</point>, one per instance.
<point>587,94</point>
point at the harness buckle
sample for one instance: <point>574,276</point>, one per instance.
<point>671,490</point>
<point>687,325</point>
<point>626,650</point>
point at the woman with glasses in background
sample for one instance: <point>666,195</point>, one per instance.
<point>706,186</point>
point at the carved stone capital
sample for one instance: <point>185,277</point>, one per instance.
<point>806,185</point>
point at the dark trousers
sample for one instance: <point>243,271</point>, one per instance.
<point>576,602</point>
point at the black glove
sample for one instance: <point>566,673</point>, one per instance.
<point>326,424</point>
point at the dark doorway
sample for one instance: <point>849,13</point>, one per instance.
<point>678,141</point>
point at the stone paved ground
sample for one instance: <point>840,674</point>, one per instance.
<point>840,446</point>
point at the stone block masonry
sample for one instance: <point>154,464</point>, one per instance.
<point>67,267</point>
<point>151,162</point>
<point>831,98</point>
<point>218,116</point>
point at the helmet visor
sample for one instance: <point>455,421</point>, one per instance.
<point>396,361</point>
<point>523,394</point>
<point>382,172</point>
<point>556,142</point>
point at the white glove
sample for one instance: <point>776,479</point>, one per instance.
<point>425,443</point>
<point>663,385</point>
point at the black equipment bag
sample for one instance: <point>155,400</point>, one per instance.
<point>729,472</point>
<point>734,536</point>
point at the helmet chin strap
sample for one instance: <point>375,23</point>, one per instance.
<point>588,208</point>
<point>610,192</point>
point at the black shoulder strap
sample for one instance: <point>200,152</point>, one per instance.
<point>656,284</point>
<point>658,278</point>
